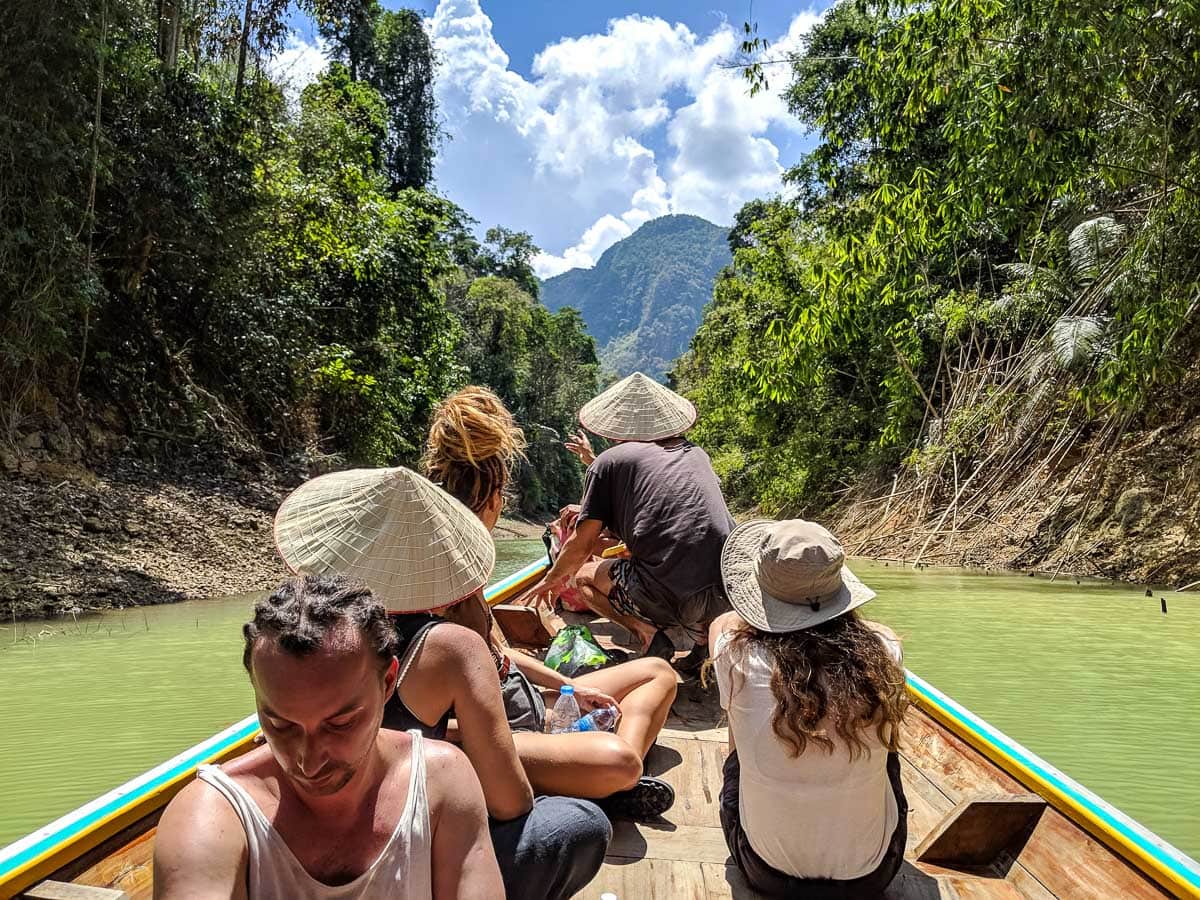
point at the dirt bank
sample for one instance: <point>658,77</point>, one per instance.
<point>74,539</point>
<point>130,534</point>
<point>1121,504</point>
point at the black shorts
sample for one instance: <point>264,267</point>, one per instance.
<point>769,881</point>
<point>630,597</point>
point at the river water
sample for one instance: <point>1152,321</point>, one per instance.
<point>1092,677</point>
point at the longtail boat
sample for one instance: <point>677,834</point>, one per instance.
<point>987,818</point>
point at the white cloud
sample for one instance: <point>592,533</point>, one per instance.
<point>611,130</point>
<point>298,64</point>
<point>567,154</point>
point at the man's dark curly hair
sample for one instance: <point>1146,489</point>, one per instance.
<point>305,609</point>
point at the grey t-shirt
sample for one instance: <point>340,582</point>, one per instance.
<point>665,503</point>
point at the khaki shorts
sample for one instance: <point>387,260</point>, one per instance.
<point>630,597</point>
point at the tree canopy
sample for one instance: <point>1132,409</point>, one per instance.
<point>212,264</point>
<point>984,170</point>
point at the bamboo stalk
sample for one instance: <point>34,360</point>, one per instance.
<point>954,503</point>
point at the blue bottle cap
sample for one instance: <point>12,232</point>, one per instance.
<point>586,724</point>
<point>567,689</point>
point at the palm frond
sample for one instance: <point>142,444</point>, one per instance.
<point>1075,340</point>
<point>1052,282</point>
<point>1092,244</point>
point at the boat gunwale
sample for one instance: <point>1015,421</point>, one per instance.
<point>45,851</point>
<point>1165,864</point>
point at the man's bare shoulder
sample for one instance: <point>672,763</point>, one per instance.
<point>200,846</point>
<point>256,765</point>
<point>450,780</point>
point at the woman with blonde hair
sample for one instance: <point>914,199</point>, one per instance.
<point>474,444</point>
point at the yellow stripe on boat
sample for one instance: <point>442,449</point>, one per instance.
<point>1166,865</point>
<point>517,582</point>
<point>45,851</point>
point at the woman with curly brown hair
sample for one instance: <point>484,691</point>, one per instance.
<point>474,443</point>
<point>812,803</point>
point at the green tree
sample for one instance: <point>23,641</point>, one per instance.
<point>542,364</point>
<point>402,71</point>
<point>964,147</point>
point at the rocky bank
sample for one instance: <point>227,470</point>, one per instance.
<point>88,521</point>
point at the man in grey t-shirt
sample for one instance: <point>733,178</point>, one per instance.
<point>658,493</point>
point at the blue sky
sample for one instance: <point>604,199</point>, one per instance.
<point>578,121</point>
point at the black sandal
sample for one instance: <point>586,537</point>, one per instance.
<point>693,662</point>
<point>644,802</point>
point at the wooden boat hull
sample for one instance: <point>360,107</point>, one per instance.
<point>966,781</point>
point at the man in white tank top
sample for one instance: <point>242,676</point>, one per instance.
<point>332,806</point>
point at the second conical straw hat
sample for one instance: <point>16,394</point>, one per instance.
<point>638,408</point>
<point>415,546</point>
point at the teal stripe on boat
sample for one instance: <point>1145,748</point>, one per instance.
<point>1170,857</point>
<point>505,584</point>
<point>70,826</point>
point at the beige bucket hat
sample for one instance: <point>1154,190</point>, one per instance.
<point>787,576</point>
<point>415,546</point>
<point>638,408</point>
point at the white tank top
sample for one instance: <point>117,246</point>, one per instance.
<point>402,869</point>
<point>818,815</point>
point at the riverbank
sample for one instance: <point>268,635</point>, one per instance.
<point>77,539</point>
<point>1114,503</point>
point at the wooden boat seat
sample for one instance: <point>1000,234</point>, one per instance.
<point>62,890</point>
<point>523,626</point>
<point>982,832</point>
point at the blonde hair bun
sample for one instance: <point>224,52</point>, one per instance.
<point>473,444</point>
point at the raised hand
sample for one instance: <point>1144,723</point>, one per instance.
<point>579,444</point>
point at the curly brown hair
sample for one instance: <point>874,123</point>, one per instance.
<point>838,672</point>
<point>305,609</point>
<point>473,445</point>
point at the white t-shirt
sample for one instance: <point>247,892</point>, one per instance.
<point>819,815</point>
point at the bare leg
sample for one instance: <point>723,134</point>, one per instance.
<point>594,585</point>
<point>596,765</point>
<point>644,690</point>
<point>591,765</point>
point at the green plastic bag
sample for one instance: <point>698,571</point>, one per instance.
<point>574,651</point>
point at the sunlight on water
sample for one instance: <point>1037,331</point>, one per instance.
<point>1093,678</point>
<point>88,705</point>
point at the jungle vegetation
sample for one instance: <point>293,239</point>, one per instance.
<point>991,258</point>
<point>208,260</point>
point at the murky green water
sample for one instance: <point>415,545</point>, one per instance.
<point>88,705</point>
<point>1093,678</point>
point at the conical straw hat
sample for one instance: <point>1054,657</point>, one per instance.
<point>415,546</point>
<point>638,408</point>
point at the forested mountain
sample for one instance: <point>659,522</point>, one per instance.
<point>644,298</point>
<point>195,263</point>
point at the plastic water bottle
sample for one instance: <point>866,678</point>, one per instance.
<point>565,715</point>
<point>602,719</point>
